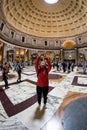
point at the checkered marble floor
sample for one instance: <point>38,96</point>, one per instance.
<point>19,107</point>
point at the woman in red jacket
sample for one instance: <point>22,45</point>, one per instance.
<point>42,68</point>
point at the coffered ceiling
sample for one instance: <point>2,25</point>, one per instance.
<point>36,17</point>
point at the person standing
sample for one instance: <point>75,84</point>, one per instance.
<point>72,66</point>
<point>5,71</point>
<point>64,66</point>
<point>84,66</point>
<point>19,70</point>
<point>42,67</point>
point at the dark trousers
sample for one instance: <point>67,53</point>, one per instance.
<point>42,91</point>
<point>6,82</point>
<point>19,76</point>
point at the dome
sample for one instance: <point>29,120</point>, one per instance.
<point>37,24</point>
<point>37,18</point>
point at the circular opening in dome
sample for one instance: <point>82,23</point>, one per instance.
<point>51,1</point>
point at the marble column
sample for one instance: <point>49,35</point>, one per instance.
<point>76,56</point>
<point>30,61</point>
<point>61,55</point>
<point>5,53</point>
<point>14,55</point>
<point>28,57</point>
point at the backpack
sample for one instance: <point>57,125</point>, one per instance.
<point>6,68</point>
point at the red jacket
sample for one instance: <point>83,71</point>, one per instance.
<point>42,76</point>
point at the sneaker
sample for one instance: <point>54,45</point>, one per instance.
<point>17,81</point>
<point>6,87</point>
<point>3,88</point>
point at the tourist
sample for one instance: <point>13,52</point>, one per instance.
<point>5,71</point>
<point>43,67</point>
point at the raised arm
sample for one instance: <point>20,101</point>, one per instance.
<point>49,64</point>
<point>37,63</point>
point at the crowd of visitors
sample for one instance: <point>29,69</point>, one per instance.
<point>64,66</point>
<point>5,72</point>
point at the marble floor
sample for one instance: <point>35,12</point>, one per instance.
<point>19,107</point>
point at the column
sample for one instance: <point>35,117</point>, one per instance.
<point>76,56</point>
<point>61,55</point>
<point>5,53</point>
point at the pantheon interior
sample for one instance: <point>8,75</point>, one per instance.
<point>57,28</point>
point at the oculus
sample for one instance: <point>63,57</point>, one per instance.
<point>51,1</point>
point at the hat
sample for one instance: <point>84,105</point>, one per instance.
<point>42,63</point>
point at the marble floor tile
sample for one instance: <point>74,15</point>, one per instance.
<point>20,92</point>
<point>3,114</point>
<point>21,110</point>
<point>36,118</point>
<point>12,124</point>
<point>82,80</point>
<point>79,89</point>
